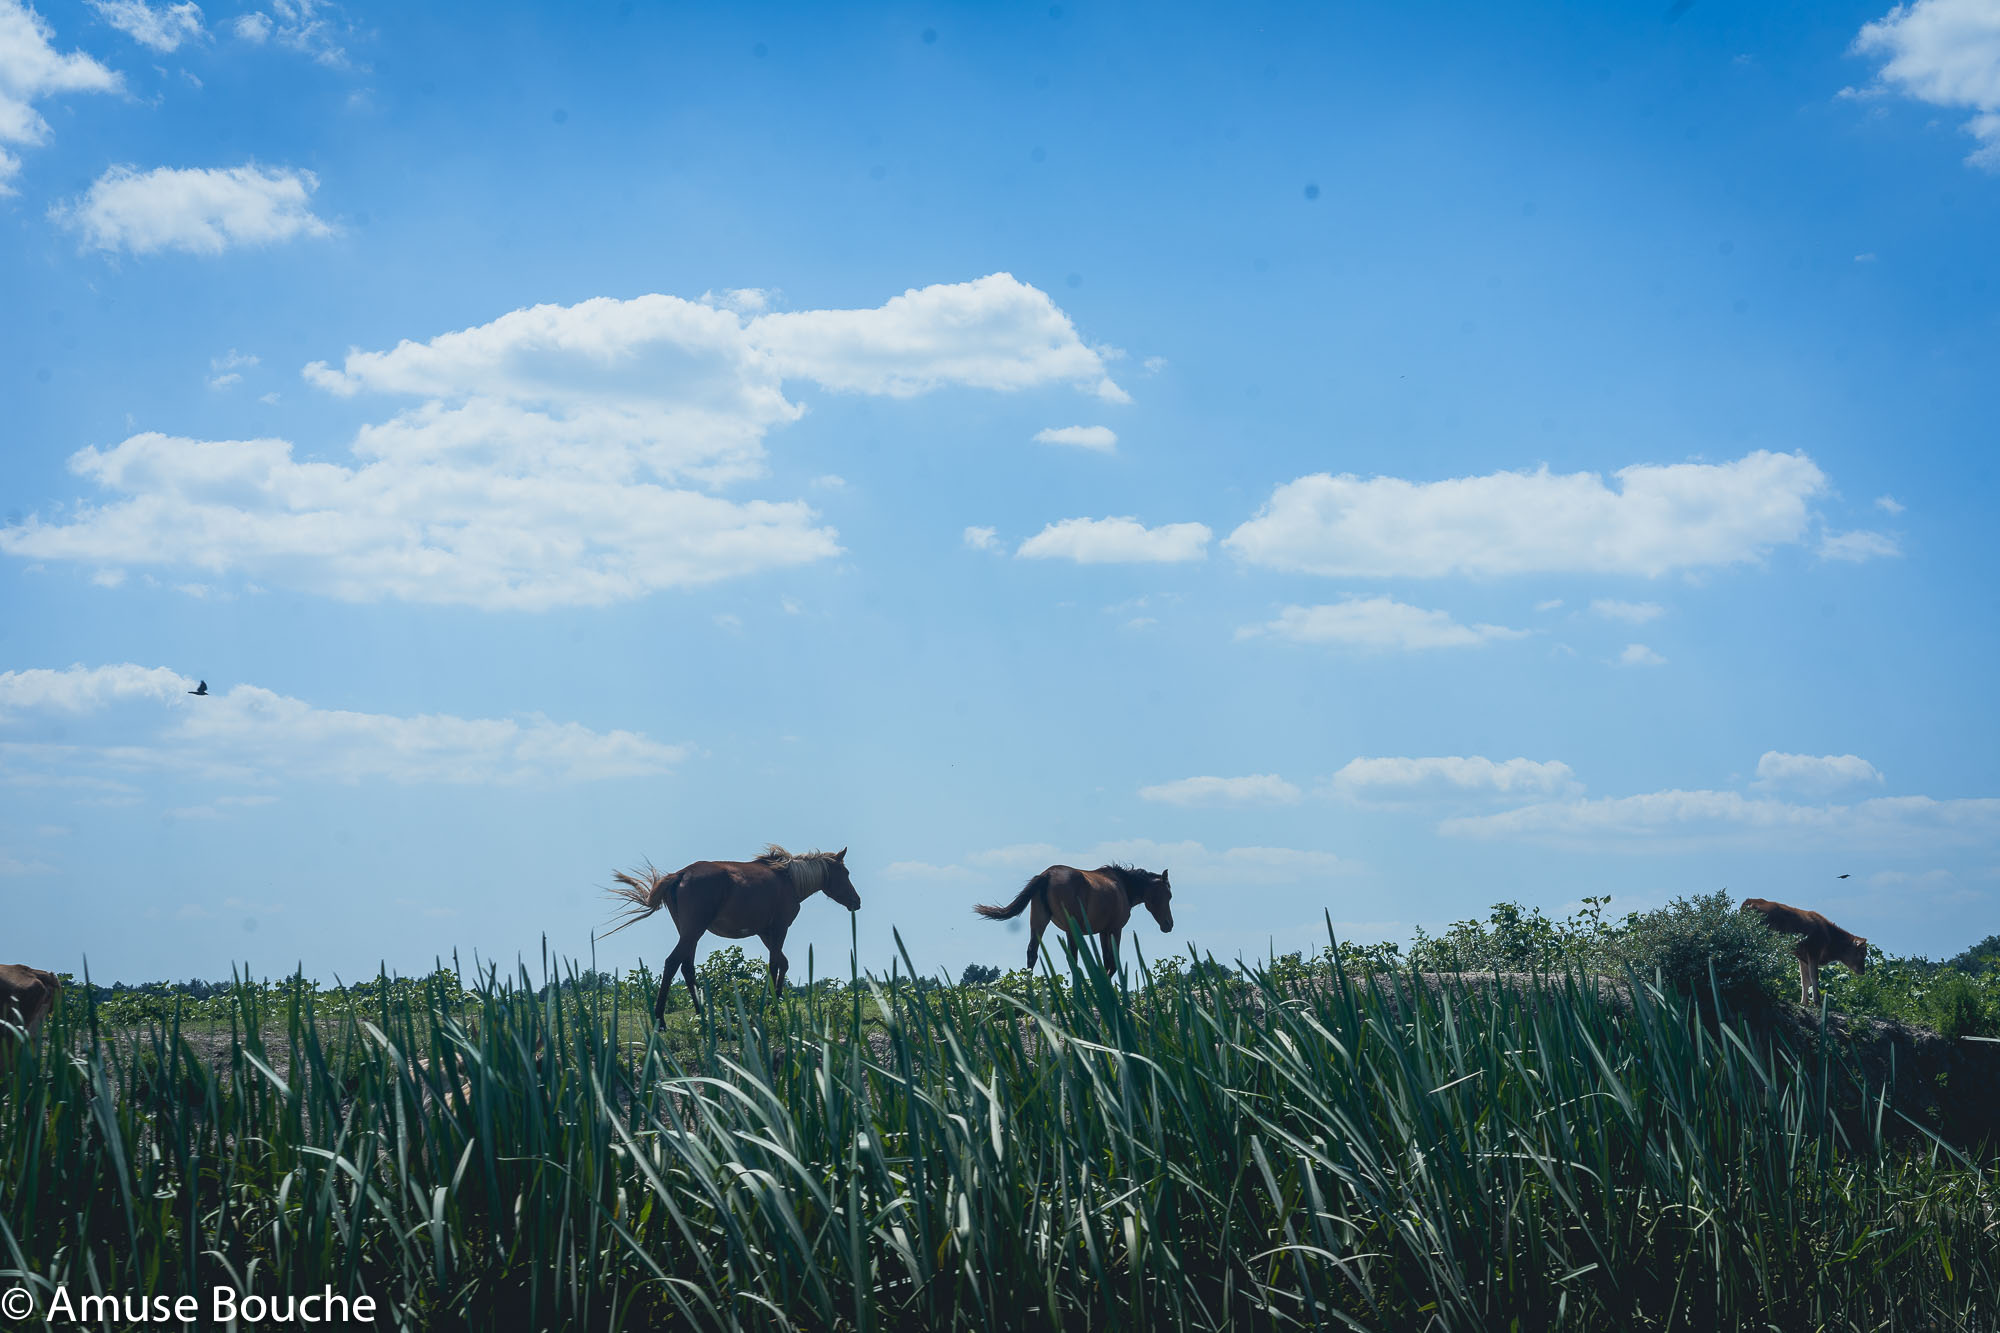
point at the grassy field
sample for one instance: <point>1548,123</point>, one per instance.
<point>1298,1146</point>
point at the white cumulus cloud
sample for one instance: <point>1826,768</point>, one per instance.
<point>992,333</point>
<point>1945,53</point>
<point>1639,655</point>
<point>1376,623</point>
<point>163,28</point>
<point>545,460</point>
<point>1102,439</point>
<point>982,539</point>
<point>30,71</point>
<point>1256,789</point>
<point>1656,520</point>
<point>1099,541</point>
<point>201,210</point>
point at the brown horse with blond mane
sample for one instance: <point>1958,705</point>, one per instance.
<point>1096,901</point>
<point>733,899</point>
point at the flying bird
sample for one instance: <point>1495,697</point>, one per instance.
<point>201,688</point>
<point>1840,876</point>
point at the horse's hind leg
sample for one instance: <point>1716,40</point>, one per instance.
<point>680,960</point>
<point>667,970</point>
<point>687,971</point>
<point>780,965</point>
<point>1038,921</point>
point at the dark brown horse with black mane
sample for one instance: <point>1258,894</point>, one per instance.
<point>733,899</point>
<point>1099,901</point>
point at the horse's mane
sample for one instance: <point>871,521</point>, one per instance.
<point>1134,881</point>
<point>808,869</point>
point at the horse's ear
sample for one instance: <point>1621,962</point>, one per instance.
<point>841,856</point>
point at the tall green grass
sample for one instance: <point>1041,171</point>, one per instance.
<point>1385,1151</point>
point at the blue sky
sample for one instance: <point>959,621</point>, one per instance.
<point>1372,464</point>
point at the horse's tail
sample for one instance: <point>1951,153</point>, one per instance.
<point>1038,887</point>
<point>644,892</point>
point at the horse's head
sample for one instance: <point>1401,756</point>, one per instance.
<point>1159,899</point>
<point>1854,954</point>
<point>837,885</point>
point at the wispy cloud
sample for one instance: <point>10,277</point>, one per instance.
<point>1632,613</point>
<point>163,27</point>
<point>1857,546</point>
<point>1256,789</point>
<point>251,734</point>
<point>314,28</point>
<point>1101,439</point>
<point>1693,818</point>
<point>1098,541</point>
<point>1450,776</point>
<point>1193,864</point>
<point>1376,623</point>
<point>1815,773</point>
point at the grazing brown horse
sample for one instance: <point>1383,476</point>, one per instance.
<point>1099,901</point>
<point>1820,941</point>
<point>733,899</point>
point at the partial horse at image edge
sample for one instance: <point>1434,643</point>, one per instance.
<point>733,899</point>
<point>26,996</point>
<point>1096,901</point>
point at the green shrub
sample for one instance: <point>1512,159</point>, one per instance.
<point>1691,939</point>
<point>1957,1007</point>
<point>1515,939</point>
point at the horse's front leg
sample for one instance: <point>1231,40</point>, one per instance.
<point>1109,939</point>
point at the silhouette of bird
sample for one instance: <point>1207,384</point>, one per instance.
<point>201,688</point>
<point>1840,876</point>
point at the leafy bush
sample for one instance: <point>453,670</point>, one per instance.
<point>1515,939</point>
<point>977,974</point>
<point>1955,1000</point>
<point>1689,939</point>
<point>1958,1006</point>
